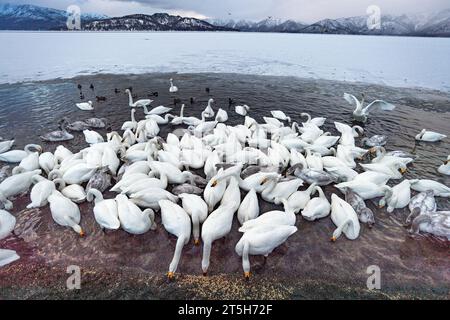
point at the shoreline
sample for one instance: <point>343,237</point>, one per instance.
<point>307,266</point>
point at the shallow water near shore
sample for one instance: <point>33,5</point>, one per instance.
<point>308,265</point>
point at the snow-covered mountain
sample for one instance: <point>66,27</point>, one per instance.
<point>156,22</point>
<point>30,17</point>
<point>266,25</point>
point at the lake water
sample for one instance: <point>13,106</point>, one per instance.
<point>393,61</point>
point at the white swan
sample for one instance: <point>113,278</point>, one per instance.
<point>7,257</point>
<point>176,221</point>
<point>92,137</point>
<point>6,145</point>
<point>47,162</point>
<point>272,218</point>
<point>65,212</point>
<point>146,183</point>
<point>399,197</point>
<point>209,112</point>
<point>280,115</point>
<point>261,241</point>
<point>445,167</point>
<point>281,190</point>
<point>7,223</point>
<point>423,185</point>
<point>149,198</point>
<point>345,218</point>
<point>172,88</point>
<point>85,106</point>
<point>15,156</point>
<point>174,175</point>
<point>315,121</point>
<point>106,212</point>
<point>360,113</point>
<point>217,225</point>
<point>299,199</point>
<point>14,185</point>
<point>221,116</point>
<point>242,110</point>
<point>394,170</point>
<point>138,103</point>
<point>365,189</point>
<point>132,219</point>
<point>197,209</point>
<point>249,208</point>
<point>132,124</point>
<point>317,207</point>
<point>157,111</point>
<point>430,136</point>
<point>40,192</point>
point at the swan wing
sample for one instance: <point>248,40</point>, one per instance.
<point>351,99</point>
<point>379,104</point>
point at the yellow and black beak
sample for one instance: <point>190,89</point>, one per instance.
<point>214,183</point>
<point>402,170</point>
<point>264,181</point>
<point>446,162</point>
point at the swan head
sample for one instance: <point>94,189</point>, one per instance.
<point>446,162</point>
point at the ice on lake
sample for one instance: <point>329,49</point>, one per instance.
<point>394,61</point>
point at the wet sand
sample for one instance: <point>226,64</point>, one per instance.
<point>307,266</point>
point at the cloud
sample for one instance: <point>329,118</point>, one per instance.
<point>302,10</point>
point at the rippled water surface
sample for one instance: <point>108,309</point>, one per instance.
<point>411,264</point>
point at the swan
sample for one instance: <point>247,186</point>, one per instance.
<point>7,223</point>
<point>137,104</point>
<point>348,134</point>
<point>128,180</point>
<point>77,125</point>
<point>65,212</point>
<point>14,185</point>
<point>325,140</point>
<point>148,198</point>
<point>297,157</point>
<point>394,170</point>
<point>29,163</point>
<point>383,157</point>
<point>130,125</point>
<point>176,221</point>
<point>272,218</point>
<point>85,106</point>
<point>6,145</point>
<point>215,189</point>
<point>311,176</point>
<point>439,189</point>
<point>317,207</point>
<point>365,189</point>
<point>172,88</point>
<point>146,183</point>
<point>362,114</point>
<point>47,162</point>
<point>58,135</point>
<point>92,137</point>
<point>16,156</point>
<point>73,192</point>
<point>97,123</point>
<point>345,218</point>
<point>261,241</point>
<point>314,160</point>
<point>209,112</point>
<point>186,188</point>
<point>315,121</point>
<point>210,164</point>
<point>310,133</point>
<point>280,190</point>
<point>4,173</point>
<point>158,119</point>
<point>106,212</point>
<point>430,136</point>
<point>78,174</point>
<point>7,257</point>
<point>221,116</point>
<point>217,225</point>
<point>132,219</point>
<point>365,215</point>
<point>372,176</point>
<point>421,203</point>
<point>299,199</point>
<point>399,197</point>
<point>342,173</point>
<point>174,175</point>
<point>158,111</point>
<point>197,209</point>
<point>249,207</point>
<point>242,110</point>
<point>232,195</point>
<point>375,141</point>
<point>40,192</point>
<point>445,167</point>
<point>280,115</point>
<point>110,160</point>
<point>101,180</point>
<point>436,223</point>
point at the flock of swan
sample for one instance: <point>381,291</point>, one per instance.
<point>269,160</point>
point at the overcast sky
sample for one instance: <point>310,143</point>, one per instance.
<point>301,10</point>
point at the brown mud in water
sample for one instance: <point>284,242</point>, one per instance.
<point>308,266</point>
